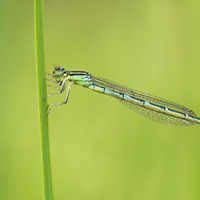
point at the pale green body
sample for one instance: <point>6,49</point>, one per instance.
<point>155,108</point>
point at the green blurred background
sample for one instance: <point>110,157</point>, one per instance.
<point>99,148</point>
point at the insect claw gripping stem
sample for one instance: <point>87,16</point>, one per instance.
<point>55,105</point>
<point>59,79</point>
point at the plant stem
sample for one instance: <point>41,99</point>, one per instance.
<point>40,68</point>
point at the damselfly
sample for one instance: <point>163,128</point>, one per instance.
<point>152,107</point>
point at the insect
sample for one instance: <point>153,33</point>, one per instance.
<point>152,107</point>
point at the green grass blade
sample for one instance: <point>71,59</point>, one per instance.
<point>40,67</point>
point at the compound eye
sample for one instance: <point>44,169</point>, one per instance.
<point>58,69</point>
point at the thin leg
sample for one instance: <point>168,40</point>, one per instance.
<point>61,90</point>
<point>50,75</point>
<point>55,105</point>
<point>52,81</point>
<point>53,87</point>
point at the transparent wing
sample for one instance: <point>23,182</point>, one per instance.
<point>158,117</point>
<point>153,115</point>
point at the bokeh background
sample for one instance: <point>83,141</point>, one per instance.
<point>99,148</point>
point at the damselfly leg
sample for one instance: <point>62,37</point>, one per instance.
<point>55,105</point>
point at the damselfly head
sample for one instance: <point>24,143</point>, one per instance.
<point>58,71</point>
